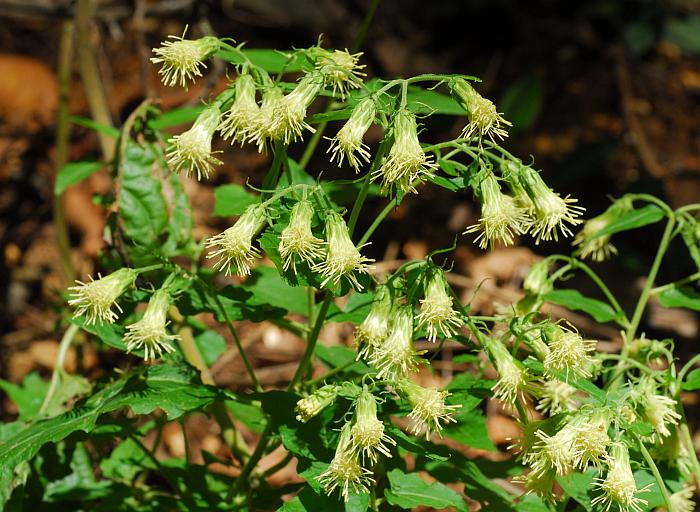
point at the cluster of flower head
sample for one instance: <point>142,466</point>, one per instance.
<point>385,340</point>
<point>531,207</point>
<point>95,299</point>
<point>333,259</point>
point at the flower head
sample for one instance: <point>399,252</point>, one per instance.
<point>406,162</point>
<point>568,353</point>
<point>537,280</point>
<point>235,245</point>
<point>241,119</point>
<point>191,150</point>
<point>549,212</point>
<point>367,432</point>
<point>590,439</point>
<point>149,332</point>
<point>514,381</point>
<point>289,114</point>
<point>311,405</point>
<point>429,410</point>
<point>343,259</point>
<point>599,248</point>
<point>397,357</point>
<point>484,118</point>
<point>265,125</point>
<point>556,397</point>
<point>345,472</point>
<point>297,241</point>
<point>436,311</point>
<point>183,58</point>
<point>348,141</point>
<point>94,300</point>
<point>501,218</point>
<point>618,487</point>
<point>553,452</point>
<point>656,409</point>
<point>375,328</point>
<point>682,500</point>
<point>339,68</point>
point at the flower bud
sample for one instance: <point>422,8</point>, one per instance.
<point>556,397</point>
<point>297,240</point>
<point>375,328</point>
<point>599,248</point>
<point>397,357</point>
<point>348,141</point>
<point>191,150</point>
<point>339,68</point>
<point>537,279</point>
<point>484,119</point>
<point>94,300</point>
<point>406,162</point>
<point>241,119</point>
<point>342,257</point>
<point>182,58</point>
<point>618,487</point>
<point>149,332</point>
<point>501,218</point>
<point>569,353</point>
<point>367,433</point>
<point>436,311</point>
<point>514,379</point>
<point>345,471</point>
<point>549,212</point>
<point>310,406</point>
<point>235,249</point>
<point>429,410</point>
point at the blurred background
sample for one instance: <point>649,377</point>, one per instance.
<point>603,94</point>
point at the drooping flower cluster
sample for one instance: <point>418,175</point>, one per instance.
<point>367,432</point>
<point>437,314</point>
<point>514,380</point>
<point>347,143</point>
<point>297,241</point>
<point>396,357</point>
<point>340,68</point>
<point>429,411</point>
<point>618,487</point>
<point>569,354</point>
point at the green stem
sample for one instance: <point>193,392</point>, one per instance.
<point>280,465</point>
<point>644,297</point>
<point>237,340</point>
<point>329,374</point>
<point>687,367</point>
<point>377,220</point>
<point>252,462</point>
<point>660,289</point>
<point>362,196</point>
<point>65,59</point>
<point>58,367</point>
<point>311,343</point>
<point>628,360</point>
<point>655,472</point>
<point>315,139</point>
<point>273,175</point>
<point>366,22</point>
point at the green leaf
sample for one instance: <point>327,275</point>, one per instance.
<point>356,309</point>
<point>470,429</point>
<point>337,355</point>
<point>357,503</point>
<point>415,445</point>
<point>579,486</point>
<point>633,219</point>
<point>109,334</point>
<point>692,381</point>
<point>680,297</point>
<point>125,461</point>
<point>267,287</point>
<point>142,206</point>
<point>74,172</point>
<point>272,61</point>
<point>250,415</point>
<point>522,102</point>
<point>410,490</point>
<point>423,101</point>
<point>94,125</point>
<point>232,200</point>
<point>572,299</point>
<point>175,389</point>
<point>29,397</point>
<point>211,345</point>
